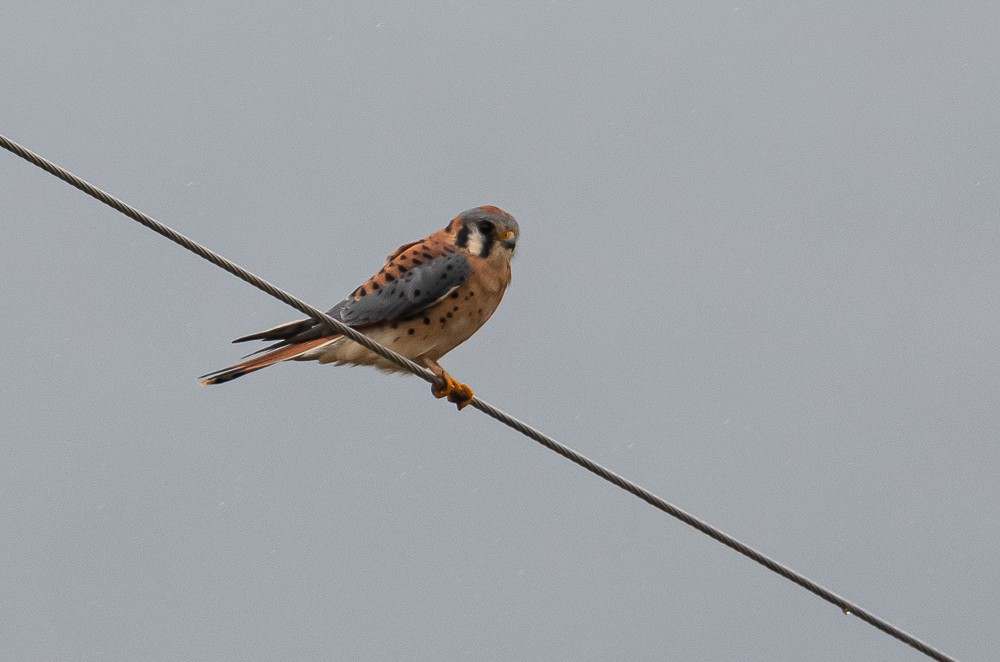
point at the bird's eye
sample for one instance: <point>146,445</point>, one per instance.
<point>509,234</point>
<point>486,227</point>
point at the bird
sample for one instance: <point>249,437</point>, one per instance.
<point>429,297</point>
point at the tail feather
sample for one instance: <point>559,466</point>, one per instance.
<point>280,332</point>
<point>258,362</point>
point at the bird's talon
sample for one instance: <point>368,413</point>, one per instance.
<point>446,386</point>
<point>462,395</point>
<point>440,388</point>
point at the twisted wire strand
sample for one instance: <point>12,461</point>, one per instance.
<point>845,605</point>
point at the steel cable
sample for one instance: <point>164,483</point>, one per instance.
<point>845,606</point>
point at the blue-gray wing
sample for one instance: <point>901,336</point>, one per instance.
<point>382,300</point>
<point>407,296</point>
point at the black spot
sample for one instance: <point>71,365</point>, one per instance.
<point>449,267</point>
<point>449,315</point>
<point>462,240</point>
<point>401,295</point>
<point>404,256</point>
<point>362,292</point>
<point>445,276</point>
<point>375,286</point>
<point>454,295</point>
<point>427,255</point>
<point>416,293</point>
<point>486,228</point>
<point>427,320</point>
<point>417,262</point>
<point>389,278</point>
<point>411,331</point>
<point>442,320</point>
<point>455,309</point>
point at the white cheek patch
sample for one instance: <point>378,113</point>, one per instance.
<point>475,245</point>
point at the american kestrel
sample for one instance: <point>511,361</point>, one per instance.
<point>429,297</point>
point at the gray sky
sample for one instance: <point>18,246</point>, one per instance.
<point>757,275</point>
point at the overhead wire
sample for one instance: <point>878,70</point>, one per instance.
<point>846,606</point>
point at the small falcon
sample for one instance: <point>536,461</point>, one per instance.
<point>429,298</point>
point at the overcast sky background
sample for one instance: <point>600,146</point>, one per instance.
<point>758,275</point>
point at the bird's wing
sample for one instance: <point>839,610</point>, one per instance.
<point>411,281</point>
<point>408,295</point>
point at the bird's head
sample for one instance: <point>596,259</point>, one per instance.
<point>485,232</point>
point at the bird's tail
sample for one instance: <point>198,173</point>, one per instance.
<point>256,363</point>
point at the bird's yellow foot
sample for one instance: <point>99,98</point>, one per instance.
<point>447,386</point>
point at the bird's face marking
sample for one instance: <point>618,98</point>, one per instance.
<point>485,232</point>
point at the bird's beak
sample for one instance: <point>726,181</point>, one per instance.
<point>507,239</point>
